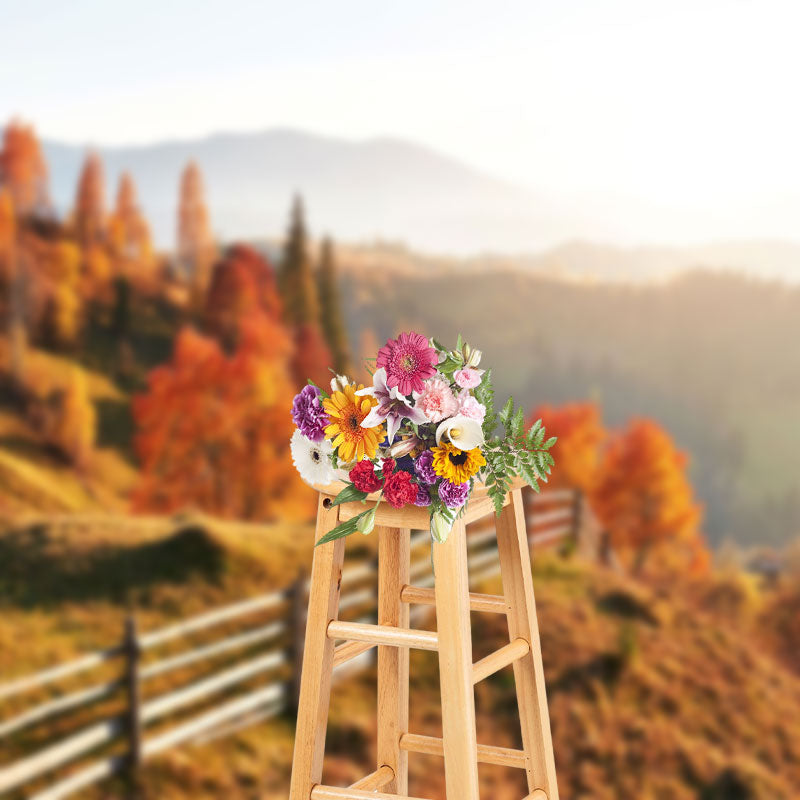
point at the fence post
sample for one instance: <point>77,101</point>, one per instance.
<point>577,521</point>
<point>132,659</point>
<point>297,631</point>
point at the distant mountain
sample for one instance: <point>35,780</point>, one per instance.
<point>381,188</point>
<point>397,192</point>
<point>776,260</point>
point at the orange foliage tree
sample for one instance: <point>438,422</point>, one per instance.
<point>90,203</point>
<point>643,497</point>
<point>8,236</point>
<point>128,230</point>
<point>23,170</point>
<point>75,423</point>
<point>242,285</point>
<point>196,249</point>
<point>580,433</point>
<point>213,430</point>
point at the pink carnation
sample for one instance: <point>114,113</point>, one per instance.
<point>468,378</point>
<point>468,406</point>
<point>437,400</point>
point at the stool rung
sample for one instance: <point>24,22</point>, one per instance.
<point>506,655</point>
<point>383,634</point>
<point>536,794</point>
<point>375,780</point>
<point>487,754</point>
<point>477,602</point>
<point>348,651</point>
<point>320,792</point>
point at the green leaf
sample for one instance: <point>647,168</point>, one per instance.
<point>348,495</point>
<point>550,442</point>
<point>508,410</point>
<point>518,423</point>
<point>342,529</point>
<point>322,392</point>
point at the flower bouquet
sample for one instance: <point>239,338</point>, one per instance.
<point>422,434</point>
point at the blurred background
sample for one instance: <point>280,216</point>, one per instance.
<point>201,205</point>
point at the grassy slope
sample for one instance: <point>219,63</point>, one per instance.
<point>653,694</point>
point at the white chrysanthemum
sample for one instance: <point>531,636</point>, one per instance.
<point>312,459</point>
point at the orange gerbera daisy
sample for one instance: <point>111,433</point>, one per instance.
<point>346,412</point>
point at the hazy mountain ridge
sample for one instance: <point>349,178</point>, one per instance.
<point>357,190</point>
<point>389,190</point>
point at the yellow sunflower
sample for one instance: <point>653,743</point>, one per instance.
<point>457,466</point>
<point>346,412</point>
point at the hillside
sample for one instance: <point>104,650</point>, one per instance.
<point>654,693</point>
<point>706,354</point>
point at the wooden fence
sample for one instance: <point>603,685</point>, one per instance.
<point>270,649</point>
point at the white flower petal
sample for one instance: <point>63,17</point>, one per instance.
<point>373,419</point>
<point>312,460</point>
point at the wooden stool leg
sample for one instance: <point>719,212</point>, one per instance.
<point>455,666</point>
<point>393,574</point>
<point>512,542</point>
<point>315,684</point>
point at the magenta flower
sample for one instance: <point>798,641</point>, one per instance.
<point>392,407</point>
<point>453,495</point>
<point>423,497</point>
<point>408,360</point>
<point>423,466</point>
<point>308,414</point>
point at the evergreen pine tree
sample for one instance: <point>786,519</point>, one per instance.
<point>297,285</point>
<point>331,309</point>
<point>298,289</point>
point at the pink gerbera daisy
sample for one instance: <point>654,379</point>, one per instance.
<point>408,360</point>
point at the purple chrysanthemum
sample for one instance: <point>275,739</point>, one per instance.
<point>423,497</point>
<point>454,495</point>
<point>423,466</point>
<point>308,414</point>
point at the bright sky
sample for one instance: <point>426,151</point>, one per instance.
<point>687,106</point>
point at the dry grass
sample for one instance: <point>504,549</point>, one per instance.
<point>655,693</point>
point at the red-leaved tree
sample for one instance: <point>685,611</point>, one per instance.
<point>643,497</point>
<point>213,430</point>
<point>580,432</point>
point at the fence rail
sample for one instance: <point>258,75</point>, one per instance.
<point>553,516</point>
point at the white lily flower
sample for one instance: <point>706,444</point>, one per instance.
<point>392,407</point>
<point>338,383</point>
<point>463,432</point>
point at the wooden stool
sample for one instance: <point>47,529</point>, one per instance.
<point>393,637</point>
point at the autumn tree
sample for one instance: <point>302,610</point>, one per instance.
<point>643,497</point>
<point>23,170</point>
<point>128,230</point>
<point>63,305</point>
<point>213,430</point>
<point>331,309</point>
<point>12,281</point>
<point>196,249</point>
<point>298,289</point>
<point>8,237</point>
<point>90,203</point>
<point>580,433</point>
<point>75,423</point>
<point>242,286</point>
